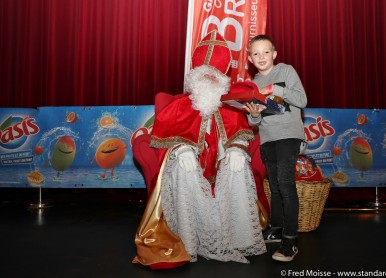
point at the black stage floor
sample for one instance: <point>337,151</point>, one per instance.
<point>91,234</point>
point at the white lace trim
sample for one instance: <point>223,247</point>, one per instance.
<point>224,227</point>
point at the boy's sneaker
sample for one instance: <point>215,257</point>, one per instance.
<point>272,234</point>
<point>287,250</point>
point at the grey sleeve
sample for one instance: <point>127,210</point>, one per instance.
<point>293,92</point>
<point>254,121</point>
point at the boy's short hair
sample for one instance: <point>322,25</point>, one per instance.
<point>261,37</point>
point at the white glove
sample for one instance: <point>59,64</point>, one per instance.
<point>187,159</point>
<point>235,159</point>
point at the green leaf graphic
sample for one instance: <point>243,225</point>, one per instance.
<point>6,123</point>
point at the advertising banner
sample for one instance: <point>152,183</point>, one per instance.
<point>72,147</point>
<point>91,147</point>
<point>236,21</point>
<point>349,145</point>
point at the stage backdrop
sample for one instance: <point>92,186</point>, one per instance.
<point>90,147</point>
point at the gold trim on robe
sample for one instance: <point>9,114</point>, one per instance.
<point>155,242</point>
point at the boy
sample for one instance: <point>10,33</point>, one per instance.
<point>281,136</point>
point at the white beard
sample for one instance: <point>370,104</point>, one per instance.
<point>206,85</point>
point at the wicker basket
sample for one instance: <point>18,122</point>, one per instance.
<point>312,198</point>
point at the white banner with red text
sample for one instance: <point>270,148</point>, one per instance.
<point>237,21</point>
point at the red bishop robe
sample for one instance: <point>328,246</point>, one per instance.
<point>176,124</point>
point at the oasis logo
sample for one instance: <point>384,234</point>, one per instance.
<point>317,130</point>
<point>144,130</point>
<point>15,131</point>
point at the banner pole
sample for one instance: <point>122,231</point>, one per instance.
<point>39,204</point>
<point>377,203</point>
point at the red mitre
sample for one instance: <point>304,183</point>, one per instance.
<point>213,51</point>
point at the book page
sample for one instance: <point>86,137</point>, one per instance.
<point>240,105</point>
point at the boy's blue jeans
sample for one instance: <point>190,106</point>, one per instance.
<point>280,158</point>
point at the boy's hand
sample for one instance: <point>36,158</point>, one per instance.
<point>254,109</point>
<point>267,91</point>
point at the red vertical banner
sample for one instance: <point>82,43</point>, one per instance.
<point>236,20</point>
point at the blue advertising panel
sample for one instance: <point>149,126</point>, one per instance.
<point>68,147</point>
<point>90,147</point>
<point>349,145</point>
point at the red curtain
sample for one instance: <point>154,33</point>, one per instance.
<point>122,52</point>
<point>90,52</point>
<point>337,47</point>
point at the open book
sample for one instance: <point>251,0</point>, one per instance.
<point>247,92</point>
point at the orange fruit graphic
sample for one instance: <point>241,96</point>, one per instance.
<point>362,119</point>
<point>38,150</point>
<point>35,178</point>
<point>71,117</point>
<point>337,151</point>
<point>111,153</point>
<point>106,122</point>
